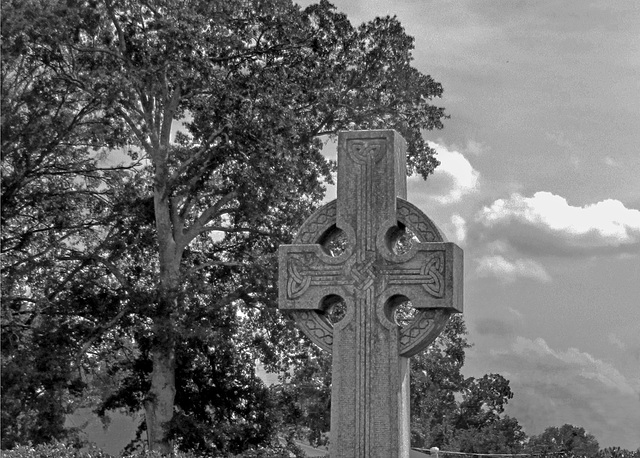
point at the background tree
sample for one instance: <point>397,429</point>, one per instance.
<point>617,452</point>
<point>303,398</point>
<point>184,236</point>
<point>456,413</point>
<point>502,435</point>
<point>436,379</point>
<point>569,439</point>
<point>447,410</point>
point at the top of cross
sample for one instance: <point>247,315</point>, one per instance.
<point>371,174</point>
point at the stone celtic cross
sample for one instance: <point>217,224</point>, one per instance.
<point>370,384</point>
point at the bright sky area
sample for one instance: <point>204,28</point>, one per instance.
<point>540,184</point>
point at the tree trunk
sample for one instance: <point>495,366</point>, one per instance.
<point>159,402</point>
<point>160,398</point>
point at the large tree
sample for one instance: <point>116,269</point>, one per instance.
<point>192,229</point>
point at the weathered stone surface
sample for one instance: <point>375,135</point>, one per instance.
<point>370,385</point>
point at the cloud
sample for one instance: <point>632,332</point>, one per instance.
<point>460,227</point>
<point>561,140</point>
<point>611,162</point>
<point>509,270</point>
<point>553,386</point>
<point>504,323</point>
<point>580,363</point>
<point>494,327</point>
<point>546,222</point>
<point>475,148</point>
<point>616,341</point>
<point>454,178</point>
<point>516,313</point>
<point>627,340</point>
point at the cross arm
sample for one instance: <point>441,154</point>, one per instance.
<point>307,275</point>
<point>430,275</point>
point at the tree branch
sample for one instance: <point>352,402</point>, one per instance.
<point>205,217</point>
<point>183,167</point>
<point>169,111</point>
<point>232,230</point>
<point>177,219</point>
<point>217,263</point>
<point>121,40</point>
<point>141,137</point>
<point>100,331</point>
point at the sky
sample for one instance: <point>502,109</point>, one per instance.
<point>539,183</point>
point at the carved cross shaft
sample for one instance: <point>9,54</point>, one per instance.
<point>369,413</point>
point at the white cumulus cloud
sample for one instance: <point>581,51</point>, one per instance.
<point>546,217</point>
<point>454,178</point>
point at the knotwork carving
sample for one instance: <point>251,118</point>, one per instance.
<point>411,216</point>
<point>317,224</point>
<point>297,283</point>
<point>316,327</point>
<point>422,331</point>
<point>434,271</point>
<point>426,325</point>
<point>363,150</point>
<point>363,273</point>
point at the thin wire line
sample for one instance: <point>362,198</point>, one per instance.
<point>444,452</point>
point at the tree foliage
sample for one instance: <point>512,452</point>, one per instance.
<point>617,452</point>
<point>457,413</point>
<point>303,398</point>
<point>569,439</point>
<point>436,379</point>
<point>56,195</point>
<point>149,253</point>
<point>447,410</point>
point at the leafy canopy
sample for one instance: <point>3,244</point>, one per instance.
<point>150,252</point>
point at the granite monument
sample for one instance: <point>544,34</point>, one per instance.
<point>371,277</point>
